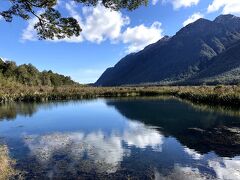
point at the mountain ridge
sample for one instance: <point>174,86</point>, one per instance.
<point>177,59</point>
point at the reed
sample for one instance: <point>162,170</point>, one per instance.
<point>213,95</point>
<point>6,164</point>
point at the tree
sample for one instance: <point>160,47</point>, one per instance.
<point>29,75</point>
<point>50,23</point>
<point>9,69</point>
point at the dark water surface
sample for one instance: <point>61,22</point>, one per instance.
<point>158,138</point>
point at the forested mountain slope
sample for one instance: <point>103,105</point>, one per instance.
<point>183,58</point>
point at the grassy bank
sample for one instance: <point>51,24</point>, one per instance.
<point>214,95</point>
<point>6,164</point>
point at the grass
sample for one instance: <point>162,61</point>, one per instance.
<point>213,95</point>
<point>6,164</point>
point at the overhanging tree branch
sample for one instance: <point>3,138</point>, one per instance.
<point>50,23</point>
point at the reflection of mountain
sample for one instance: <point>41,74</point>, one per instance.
<point>76,142</point>
<point>203,131</point>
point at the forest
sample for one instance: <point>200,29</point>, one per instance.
<point>27,74</point>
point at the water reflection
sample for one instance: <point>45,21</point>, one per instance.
<point>191,152</point>
<point>105,152</point>
<point>10,111</point>
<point>203,131</point>
<point>227,168</point>
<point>182,173</point>
<point>120,139</point>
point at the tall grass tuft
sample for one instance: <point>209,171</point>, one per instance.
<point>6,164</point>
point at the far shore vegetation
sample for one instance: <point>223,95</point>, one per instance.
<point>26,83</point>
<point>212,95</point>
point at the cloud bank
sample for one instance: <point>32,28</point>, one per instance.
<point>140,36</point>
<point>227,6</point>
<point>100,24</point>
<point>177,4</point>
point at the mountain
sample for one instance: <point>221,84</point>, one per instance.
<point>29,75</point>
<point>190,56</point>
<point>223,69</point>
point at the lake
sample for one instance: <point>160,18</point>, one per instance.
<point>138,138</point>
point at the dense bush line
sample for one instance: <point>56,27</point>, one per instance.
<point>27,74</point>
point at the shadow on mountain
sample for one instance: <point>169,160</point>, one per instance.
<point>203,129</point>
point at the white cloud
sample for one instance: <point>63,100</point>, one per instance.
<point>193,18</point>
<point>226,169</point>
<point>227,6</point>
<point>29,33</point>
<point>154,2</point>
<point>182,3</point>
<point>140,36</point>
<point>100,24</point>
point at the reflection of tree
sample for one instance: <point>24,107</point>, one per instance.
<point>9,111</point>
<point>201,130</point>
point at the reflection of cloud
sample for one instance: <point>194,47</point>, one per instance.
<point>140,136</point>
<point>177,4</point>
<point>106,149</point>
<point>98,147</point>
<point>44,146</point>
<point>226,169</point>
<point>103,150</point>
<point>181,173</point>
<point>195,155</point>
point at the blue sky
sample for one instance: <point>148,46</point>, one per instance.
<point>107,35</point>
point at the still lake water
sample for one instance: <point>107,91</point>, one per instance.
<point>143,138</point>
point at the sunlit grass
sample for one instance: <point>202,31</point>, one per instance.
<point>219,95</point>
<point>6,164</point>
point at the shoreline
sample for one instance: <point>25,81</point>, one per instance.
<point>228,96</point>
